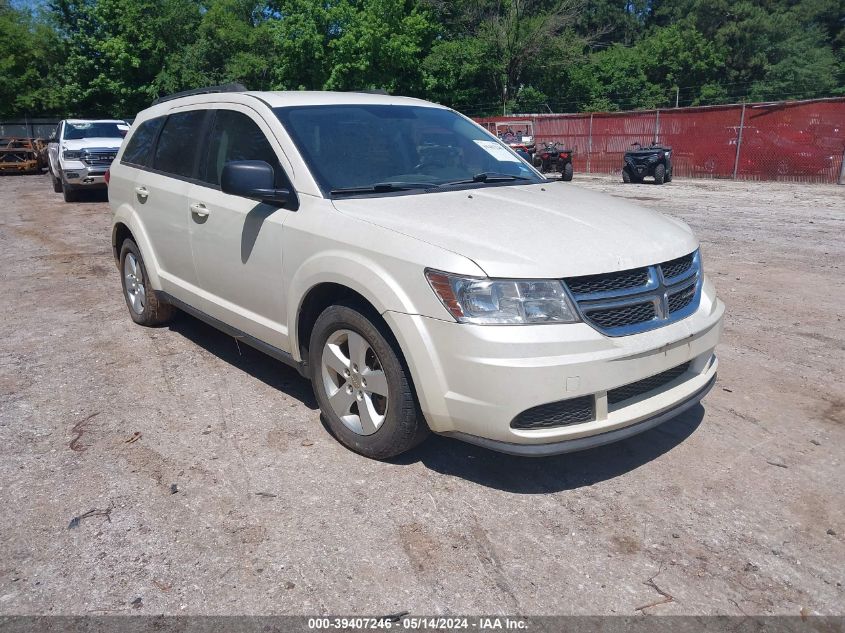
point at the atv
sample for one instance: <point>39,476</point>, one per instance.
<point>654,160</point>
<point>519,135</point>
<point>555,157</point>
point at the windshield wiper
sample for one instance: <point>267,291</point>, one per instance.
<point>383,187</point>
<point>486,176</point>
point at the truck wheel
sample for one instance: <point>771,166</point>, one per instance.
<point>57,183</point>
<point>659,174</point>
<point>70,194</point>
<point>143,302</point>
<point>626,176</point>
<point>568,171</point>
<point>362,384</point>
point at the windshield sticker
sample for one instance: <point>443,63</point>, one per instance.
<point>497,151</point>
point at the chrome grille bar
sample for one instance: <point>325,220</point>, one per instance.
<point>621,312</point>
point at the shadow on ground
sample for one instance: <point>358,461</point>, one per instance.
<point>522,475</point>
<point>240,355</point>
<point>93,195</point>
<point>538,475</point>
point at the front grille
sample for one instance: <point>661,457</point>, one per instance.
<point>676,266</point>
<point>680,300</point>
<point>98,158</point>
<point>652,383</point>
<point>623,280</point>
<point>625,315</point>
<point>562,413</point>
<point>640,299</point>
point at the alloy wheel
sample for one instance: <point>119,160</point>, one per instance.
<point>355,382</point>
<point>133,278</point>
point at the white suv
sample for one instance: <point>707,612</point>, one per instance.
<point>420,273</point>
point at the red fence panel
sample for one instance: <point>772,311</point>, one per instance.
<point>703,142</point>
<point>800,141</point>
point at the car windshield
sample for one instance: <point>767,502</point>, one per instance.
<point>76,131</point>
<point>380,148</point>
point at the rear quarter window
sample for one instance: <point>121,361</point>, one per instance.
<point>138,147</point>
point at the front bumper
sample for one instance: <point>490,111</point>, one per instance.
<point>589,441</point>
<point>85,176</point>
<point>642,169</point>
<point>472,381</point>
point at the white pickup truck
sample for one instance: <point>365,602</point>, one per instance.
<point>81,151</point>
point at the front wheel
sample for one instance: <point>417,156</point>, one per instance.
<point>69,193</point>
<point>659,174</point>
<point>567,172</point>
<point>57,183</point>
<point>362,385</point>
<point>626,176</point>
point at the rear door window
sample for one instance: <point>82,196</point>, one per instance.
<point>178,143</point>
<point>138,148</point>
<point>235,136</point>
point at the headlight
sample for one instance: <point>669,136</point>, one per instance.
<point>71,154</point>
<point>502,301</point>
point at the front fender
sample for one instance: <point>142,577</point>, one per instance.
<point>396,288</point>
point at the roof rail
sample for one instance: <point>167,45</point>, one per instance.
<point>233,87</point>
<point>372,91</point>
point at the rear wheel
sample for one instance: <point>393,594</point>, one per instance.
<point>626,175</point>
<point>659,174</point>
<point>145,306</point>
<point>362,385</point>
<point>567,172</point>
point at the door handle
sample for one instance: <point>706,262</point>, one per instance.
<point>142,192</point>
<point>199,210</point>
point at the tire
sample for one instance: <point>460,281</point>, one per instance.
<point>659,174</point>
<point>626,176</point>
<point>150,310</point>
<point>668,177</point>
<point>348,343</point>
<point>568,171</point>
<point>70,194</point>
<point>57,183</point>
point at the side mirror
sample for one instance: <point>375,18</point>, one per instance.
<point>252,179</point>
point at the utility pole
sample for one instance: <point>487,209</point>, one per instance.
<point>739,140</point>
<point>656,128</point>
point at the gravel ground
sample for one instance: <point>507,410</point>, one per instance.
<point>233,499</point>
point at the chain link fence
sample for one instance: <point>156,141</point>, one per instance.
<point>800,141</point>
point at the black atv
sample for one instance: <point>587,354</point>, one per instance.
<point>654,160</point>
<point>555,157</point>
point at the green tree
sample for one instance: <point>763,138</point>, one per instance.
<point>116,51</point>
<point>232,43</point>
<point>29,56</point>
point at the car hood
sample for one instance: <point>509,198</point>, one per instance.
<point>549,231</point>
<point>100,143</point>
